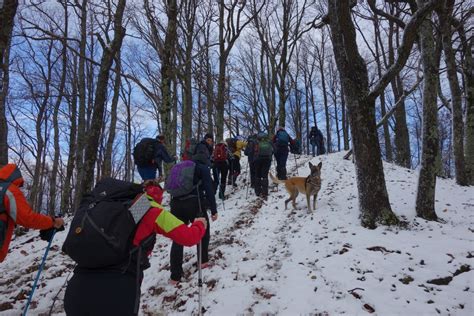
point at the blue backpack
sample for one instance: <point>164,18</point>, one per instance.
<point>282,138</point>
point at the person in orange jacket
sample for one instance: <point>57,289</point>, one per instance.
<point>15,210</point>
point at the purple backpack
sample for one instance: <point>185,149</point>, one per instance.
<point>180,180</point>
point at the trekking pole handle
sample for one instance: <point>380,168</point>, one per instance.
<point>25,311</point>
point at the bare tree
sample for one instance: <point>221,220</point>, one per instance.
<point>231,23</point>
<point>425,199</point>
<point>279,36</point>
<point>373,197</point>
<point>110,51</point>
<point>444,14</point>
<point>7,15</point>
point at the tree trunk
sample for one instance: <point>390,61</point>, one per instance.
<point>386,131</point>
<point>456,101</point>
<point>468,71</point>
<point>107,162</point>
<point>66,201</point>
<point>168,72</point>
<point>402,141</point>
<point>325,98</point>
<point>81,123</point>
<point>7,17</point>
<point>425,199</point>
<point>345,121</point>
<point>57,150</point>
<point>109,53</point>
<point>373,197</point>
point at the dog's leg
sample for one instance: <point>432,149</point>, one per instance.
<point>315,197</point>
<point>286,202</point>
<point>295,194</point>
<point>308,200</point>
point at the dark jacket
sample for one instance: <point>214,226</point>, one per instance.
<point>206,187</point>
<point>161,154</point>
<point>281,149</point>
<point>315,136</point>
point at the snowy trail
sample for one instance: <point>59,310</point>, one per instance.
<point>269,260</point>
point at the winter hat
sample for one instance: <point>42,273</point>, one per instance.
<point>209,135</point>
<point>155,191</point>
<point>160,137</point>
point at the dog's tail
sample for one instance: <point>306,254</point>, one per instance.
<point>275,180</point>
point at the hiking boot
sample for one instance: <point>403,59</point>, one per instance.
<point>173,282</point>
<point>205,265</point>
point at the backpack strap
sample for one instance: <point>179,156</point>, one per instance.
<point>5,184</point>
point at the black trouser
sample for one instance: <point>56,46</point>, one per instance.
<point>187,210</point>
<point>234,170</point>
<point>97,294</point>
<point>262,166</point>
<point>281,158</point>
<point>252,172</point>
<point>222,169</point>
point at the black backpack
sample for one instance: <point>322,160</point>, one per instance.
<point>144,152</point>
<point>102,230</point>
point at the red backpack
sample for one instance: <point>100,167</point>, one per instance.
<point>220,152</point>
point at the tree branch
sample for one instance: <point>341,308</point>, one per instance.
<point>409,37</point>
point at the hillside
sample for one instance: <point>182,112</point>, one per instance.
<point>269,260</point>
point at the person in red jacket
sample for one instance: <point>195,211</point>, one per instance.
<point>116,290</point>
<point>15,210</point>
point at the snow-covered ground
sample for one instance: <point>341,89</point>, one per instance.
<point>269,260</point>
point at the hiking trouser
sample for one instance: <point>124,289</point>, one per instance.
<point>262,167</point>
<point>100,293</point>
<point>187,210</point>
<point>222,169</point>
<point>252,173</point>
<point>147,172</point>
<point>281,158</point>
<point>234,169</point>
<point>215,177</point>
<point>313,148</point>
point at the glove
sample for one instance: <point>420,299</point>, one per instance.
<point>47,234</point>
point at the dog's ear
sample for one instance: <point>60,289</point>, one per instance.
<point>320,165</point>
<point>310,165</point>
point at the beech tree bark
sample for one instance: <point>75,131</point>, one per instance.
<point>373,197</point>
<point>425,198</point>
<point>7,16</point>
<point>444,14</point>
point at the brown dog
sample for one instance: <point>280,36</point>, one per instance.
<point>309,185</point>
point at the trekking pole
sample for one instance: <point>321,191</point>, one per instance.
<point>38,274</point>
<point>249,178</point>
<point>200,278</point>
<point>200,257</point>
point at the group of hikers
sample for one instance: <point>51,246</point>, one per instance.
<point>111,246</point>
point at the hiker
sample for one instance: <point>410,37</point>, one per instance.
<point>15,210</point>
<point>249,152</point>
<point>149,155</point>
<point>316,139</point>
<point>262,160</point>
<point>115,289</point>
<point>235,146</point>
<point>192,204</point>
<point>220,158</point>
<point>281,141</point>
<point>208,141</point>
